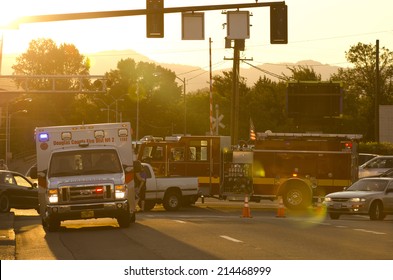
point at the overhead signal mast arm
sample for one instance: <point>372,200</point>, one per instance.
<point>124,13</point>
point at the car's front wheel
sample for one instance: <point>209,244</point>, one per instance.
<point>376,211</point>
<point>334,216</point>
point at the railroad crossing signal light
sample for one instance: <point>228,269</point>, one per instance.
<point>155,18</point>
<point>279,24</point>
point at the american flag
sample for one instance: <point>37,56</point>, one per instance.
<point>253,136</point>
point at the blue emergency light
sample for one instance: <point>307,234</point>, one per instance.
<point>43,137</point>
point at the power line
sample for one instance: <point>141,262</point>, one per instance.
<point>266,72</point>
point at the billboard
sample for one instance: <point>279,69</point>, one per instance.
<point>314,99</point>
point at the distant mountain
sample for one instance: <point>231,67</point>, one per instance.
<point>196,77</point>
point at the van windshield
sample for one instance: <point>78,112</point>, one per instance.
<point>84,162</point>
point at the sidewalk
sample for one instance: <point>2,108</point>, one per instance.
<point>7,236</point>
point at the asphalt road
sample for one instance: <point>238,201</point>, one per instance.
<point>214,230</point>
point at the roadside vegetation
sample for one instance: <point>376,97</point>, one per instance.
<point>160,99</point>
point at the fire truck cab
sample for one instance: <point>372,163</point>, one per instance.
<point>187,156</point>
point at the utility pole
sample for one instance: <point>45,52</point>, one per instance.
<point>235,94</point>
<point>377,92</point>
<point>235,106</point>
<point>211,86</point>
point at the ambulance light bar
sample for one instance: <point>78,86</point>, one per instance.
<point>99,134</point>
<point>123,132</point>
<point>66,135</point>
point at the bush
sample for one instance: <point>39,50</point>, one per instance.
<point>376,148</point>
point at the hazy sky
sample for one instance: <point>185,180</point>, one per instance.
<point>318,30</point>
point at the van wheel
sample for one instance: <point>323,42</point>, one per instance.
<point>124,220</point>
<point>376,211</point>
<point>4,204</point>
<point>51,225</point>
<point>172,201</point>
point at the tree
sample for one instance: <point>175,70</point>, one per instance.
<point>303,73</point>
<point>360,84</point>
<point>266,104</point>
<point>153,89</point>
<point>44,57</point>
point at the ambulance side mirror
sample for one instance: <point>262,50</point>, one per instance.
<point>41,174</point>
<point>33,172</point>
<point>128,168</point>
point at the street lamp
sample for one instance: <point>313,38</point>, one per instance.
<point>184,100</point>
<point>111,110</point>
<point>109,105</point>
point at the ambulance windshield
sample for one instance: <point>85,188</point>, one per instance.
<point>84,162</point>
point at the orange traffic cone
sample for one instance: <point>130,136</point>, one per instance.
<point>246,208</point>
<point>319,208</point>
<point>281,208</point>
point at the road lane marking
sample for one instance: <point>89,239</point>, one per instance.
<point>231,239</point>
<point>369,231</point>
<point>180,221</point>
<point>341,227</point>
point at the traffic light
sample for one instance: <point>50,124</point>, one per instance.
<point>155,18</point>
<point>279,24</point>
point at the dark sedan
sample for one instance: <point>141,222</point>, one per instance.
<point>16,191</point>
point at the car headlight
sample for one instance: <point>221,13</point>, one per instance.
<point>53,196</point>
<point>120,191</point>
<point>357,199</point>
<point>328,199</point>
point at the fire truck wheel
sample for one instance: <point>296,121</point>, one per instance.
<point>172,201</point>
<point>296,198</point>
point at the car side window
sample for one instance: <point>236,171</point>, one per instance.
<point>9,179</point>
<point>390,187</point>
<point>20,181</point>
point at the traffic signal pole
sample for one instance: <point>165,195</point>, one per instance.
<point>139,12</point>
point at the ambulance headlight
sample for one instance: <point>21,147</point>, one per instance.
<point>53,196</point>
<point>120,191</point>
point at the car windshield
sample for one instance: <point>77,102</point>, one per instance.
<point>369,185</point>
<point>85,162</point>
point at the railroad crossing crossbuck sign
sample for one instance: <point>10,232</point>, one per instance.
<point>218,121</point>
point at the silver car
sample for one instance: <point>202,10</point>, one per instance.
<point>375,166</point>
<point>368,196</point>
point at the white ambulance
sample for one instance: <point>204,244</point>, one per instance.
<point>85,172</point>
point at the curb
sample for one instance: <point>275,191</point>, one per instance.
<point>7,236</point>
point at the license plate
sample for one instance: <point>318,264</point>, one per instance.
<point>87,214</point>
<point>337,205</point>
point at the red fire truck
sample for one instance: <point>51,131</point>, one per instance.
<point>187,156</point>
<point>299,167</point>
